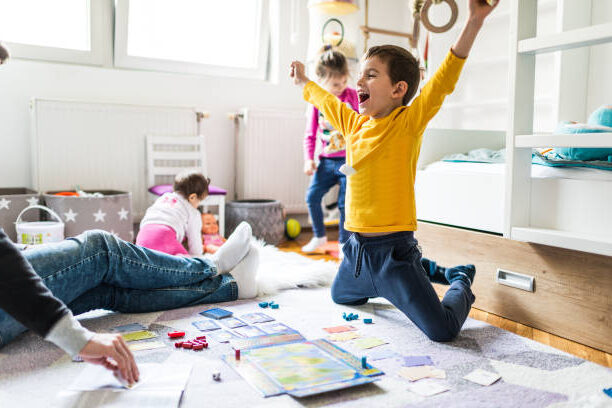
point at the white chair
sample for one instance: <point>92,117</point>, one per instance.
<point>167,156</point>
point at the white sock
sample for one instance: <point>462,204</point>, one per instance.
<point>314,244</point>
<point>245,274</point>
<point>234,249</point>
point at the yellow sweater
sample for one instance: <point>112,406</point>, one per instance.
<point>384,152</point>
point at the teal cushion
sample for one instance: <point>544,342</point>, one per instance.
<point>581,153</point>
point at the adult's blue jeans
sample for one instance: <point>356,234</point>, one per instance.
<point>97,270</point>
<point>390,266</point>
<point>327,175</point>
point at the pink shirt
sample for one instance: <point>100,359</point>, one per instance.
<point>318,128</point>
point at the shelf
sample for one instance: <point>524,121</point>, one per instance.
<point>581,37</point>
<point>579,242</point>
<point>564,140</point>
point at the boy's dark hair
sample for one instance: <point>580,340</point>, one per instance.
<point>401,66</point>
<point>331,63</point>
<point>191,182</point>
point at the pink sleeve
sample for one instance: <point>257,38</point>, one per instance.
<point>310,137</point>
<point>353,99</point>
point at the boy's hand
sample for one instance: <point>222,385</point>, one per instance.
<point>309,167</point>
<point>480,9</point>
<point>297,72</point>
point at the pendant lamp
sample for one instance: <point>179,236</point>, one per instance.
<point>334,7</point>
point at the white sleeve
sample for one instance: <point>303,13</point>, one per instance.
<point>194,233</point>
<point>68,334</point>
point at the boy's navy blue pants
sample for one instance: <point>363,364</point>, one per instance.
<point>390,266</point>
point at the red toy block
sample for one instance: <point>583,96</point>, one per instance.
<point>237,354</point>
<point>198,347</point>
<point>175,334</point>
<point>178,344</point>
<point>201,338</point>
<point>205,345</point>
<point>187,345</point>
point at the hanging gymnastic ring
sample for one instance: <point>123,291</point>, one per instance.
<point>332,20</point>
<point>432,28</point>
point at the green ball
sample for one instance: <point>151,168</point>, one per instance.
<point>292,228</point>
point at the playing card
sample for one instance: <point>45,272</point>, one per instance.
<point>206,325</point>
<point>256,318</point>
<point>223,336</point>
<point>249,331</point>
<point>132,327</point>
<point>138,335</point>
<point>272,328</point>
<point>216,313</point>
<point>233,322</point>
<point>339,329</point>
<point>410,361</point>
<point>482,377</point>
<point>427,389</point>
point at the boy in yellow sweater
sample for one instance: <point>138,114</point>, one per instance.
<point>383,142</point>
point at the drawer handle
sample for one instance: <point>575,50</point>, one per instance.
<point>515,280</point>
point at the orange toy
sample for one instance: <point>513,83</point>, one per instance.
<point>211,239</point>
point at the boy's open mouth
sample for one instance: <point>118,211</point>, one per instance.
<point>363,96</point>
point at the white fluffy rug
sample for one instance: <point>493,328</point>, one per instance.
<point>280,270</point>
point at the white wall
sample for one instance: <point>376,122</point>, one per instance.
<point>21,80</point>
<point>600,61</point>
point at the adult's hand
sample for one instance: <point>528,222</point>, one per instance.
<point>111,352</point>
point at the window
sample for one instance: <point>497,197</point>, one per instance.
<point>216,37</point>
<point>58,30</point>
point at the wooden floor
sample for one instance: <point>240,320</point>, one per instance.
<point>557,342</point>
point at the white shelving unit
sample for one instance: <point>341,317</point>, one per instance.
<point>573,18</point>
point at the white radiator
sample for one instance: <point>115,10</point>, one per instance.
<point>270,159</point>
<point>100,146</point>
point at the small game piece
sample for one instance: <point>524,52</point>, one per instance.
<point>364,363</point>
<point>274,306</point>
<point>263,305</point>
<point>238,354</point>
<point>216,376</point>
<point>198,347</point>
<point>608,391</point>
<point>178,344</point>
<point>344,315</point>
<point>201,338</point>
<point>271,303</point>
<point>355,317</point>
<point>176,334</point>
<point>367,321</point>
<point>187,345</point>
<point>205,345</point>
<point>216,313</point>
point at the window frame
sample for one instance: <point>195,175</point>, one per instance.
<point>123,60</point>
<point>100,12</point>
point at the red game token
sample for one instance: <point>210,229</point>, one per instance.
<point>178,344</point>
<point>205,345</point>
<point>201,338</point>
<point>198,347</point>
<point>187,345</point>
<point>175,334</point>
<point>237,354</point>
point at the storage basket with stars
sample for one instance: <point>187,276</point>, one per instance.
<point>110,211</point>
<point>12,202</point>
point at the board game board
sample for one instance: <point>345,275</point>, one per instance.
<point>289,363</point>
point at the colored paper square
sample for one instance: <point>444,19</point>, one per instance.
<point>411,361</point>
<point>339,329</point>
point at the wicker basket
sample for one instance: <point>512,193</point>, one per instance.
<point>265,217</point>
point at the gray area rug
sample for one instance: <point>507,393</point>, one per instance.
<point>32,371</point>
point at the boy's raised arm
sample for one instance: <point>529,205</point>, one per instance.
<point>339,115</point>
